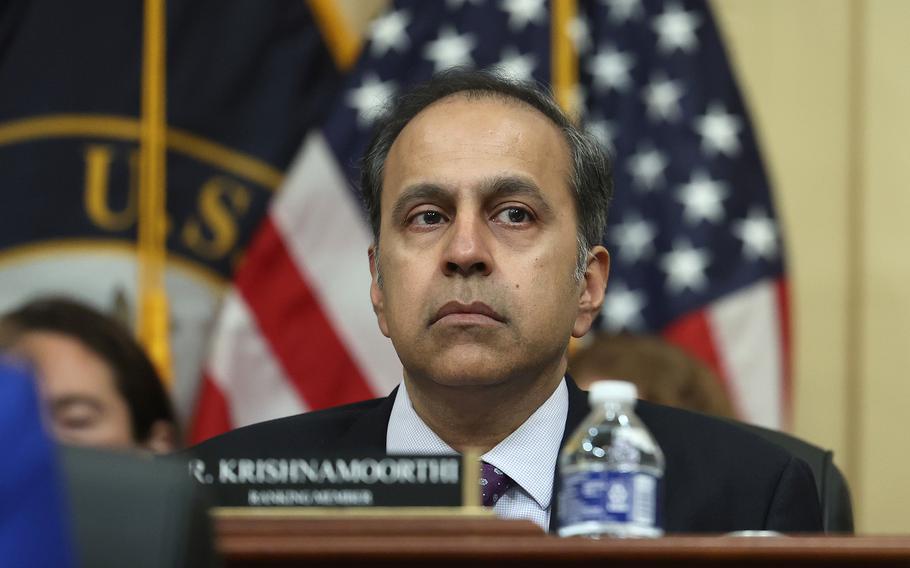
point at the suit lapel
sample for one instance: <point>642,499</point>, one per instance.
<point>578,411</point>
<point>369,431</point>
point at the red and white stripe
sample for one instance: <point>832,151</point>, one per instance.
<point>744,338</point>
<point>297,331</point>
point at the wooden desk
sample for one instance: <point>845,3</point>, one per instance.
<point>453,539</point>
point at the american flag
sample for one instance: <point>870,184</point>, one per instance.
<point>697,253</point>
<point>696,248</point>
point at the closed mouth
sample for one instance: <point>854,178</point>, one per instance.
<point>471,309</point>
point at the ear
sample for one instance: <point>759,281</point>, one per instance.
<point>593,290</point>
<point>162,438</point>
<point>377,296</point>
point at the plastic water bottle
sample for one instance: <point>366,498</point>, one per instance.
<point>611,470</point>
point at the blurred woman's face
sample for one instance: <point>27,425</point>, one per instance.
<point>78,390</point>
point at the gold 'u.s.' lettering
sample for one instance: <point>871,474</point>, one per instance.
<point>96,195</point>
<point>221,201</point>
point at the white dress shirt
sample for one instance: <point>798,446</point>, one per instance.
<point>528,455</point>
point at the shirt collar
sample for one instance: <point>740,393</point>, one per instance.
<point>408,433</point>
<point>528,455</point>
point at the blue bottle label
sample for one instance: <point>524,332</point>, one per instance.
<point>604,496</point>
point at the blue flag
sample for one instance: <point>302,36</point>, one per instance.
<point>34,517</point>
<point>245,82</point>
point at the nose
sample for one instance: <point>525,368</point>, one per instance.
<point>467,251</point>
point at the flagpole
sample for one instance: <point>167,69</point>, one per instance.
<point>153,317</point>
<point>563,59</point>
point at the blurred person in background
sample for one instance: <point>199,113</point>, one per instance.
<point>663,373</point>
<point>97,384</point>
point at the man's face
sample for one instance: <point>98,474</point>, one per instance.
<point>78,390</point>
<point>477,245</point>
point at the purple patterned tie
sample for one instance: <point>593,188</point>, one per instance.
<point>493,484</point>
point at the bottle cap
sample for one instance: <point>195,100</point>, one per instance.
<point>620,391</point>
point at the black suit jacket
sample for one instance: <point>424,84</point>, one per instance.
<point>718,477</point>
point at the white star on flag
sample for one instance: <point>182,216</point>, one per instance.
<point>623,10</point>
<point>515,66</point>
<point>676,29</point>
<point>450,49</point>
<point>622,308</point>
<point>523,12</point>
<point>388,32</point>
<point>602,130</point>
<point>370,98</point>
<point>634,238</point>
<point>685,267</point>
<point>702,197</point>
<point>758,233</point>
<point>647,167</point>
<point>610,69</point>
<point>719,130</point>
<point>662,97</point>
<point>580,34</point>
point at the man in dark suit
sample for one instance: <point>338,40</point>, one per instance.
<point>487,206</point>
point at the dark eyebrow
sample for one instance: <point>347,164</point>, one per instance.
<point>419,192</point>
<point>518,186</point>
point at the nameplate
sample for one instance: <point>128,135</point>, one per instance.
<point>332,481</point>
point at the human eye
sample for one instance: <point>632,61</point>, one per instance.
<point>76,417</point>
<point>426,218</point>
<point>514,215</point>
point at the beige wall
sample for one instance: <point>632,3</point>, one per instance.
<point>793,63</point>
<point>830,96</point>
<point>883,466</point>
<point>795,85</point>
<point>827,84</point>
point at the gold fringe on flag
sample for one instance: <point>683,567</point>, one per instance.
<point>343,43</point>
